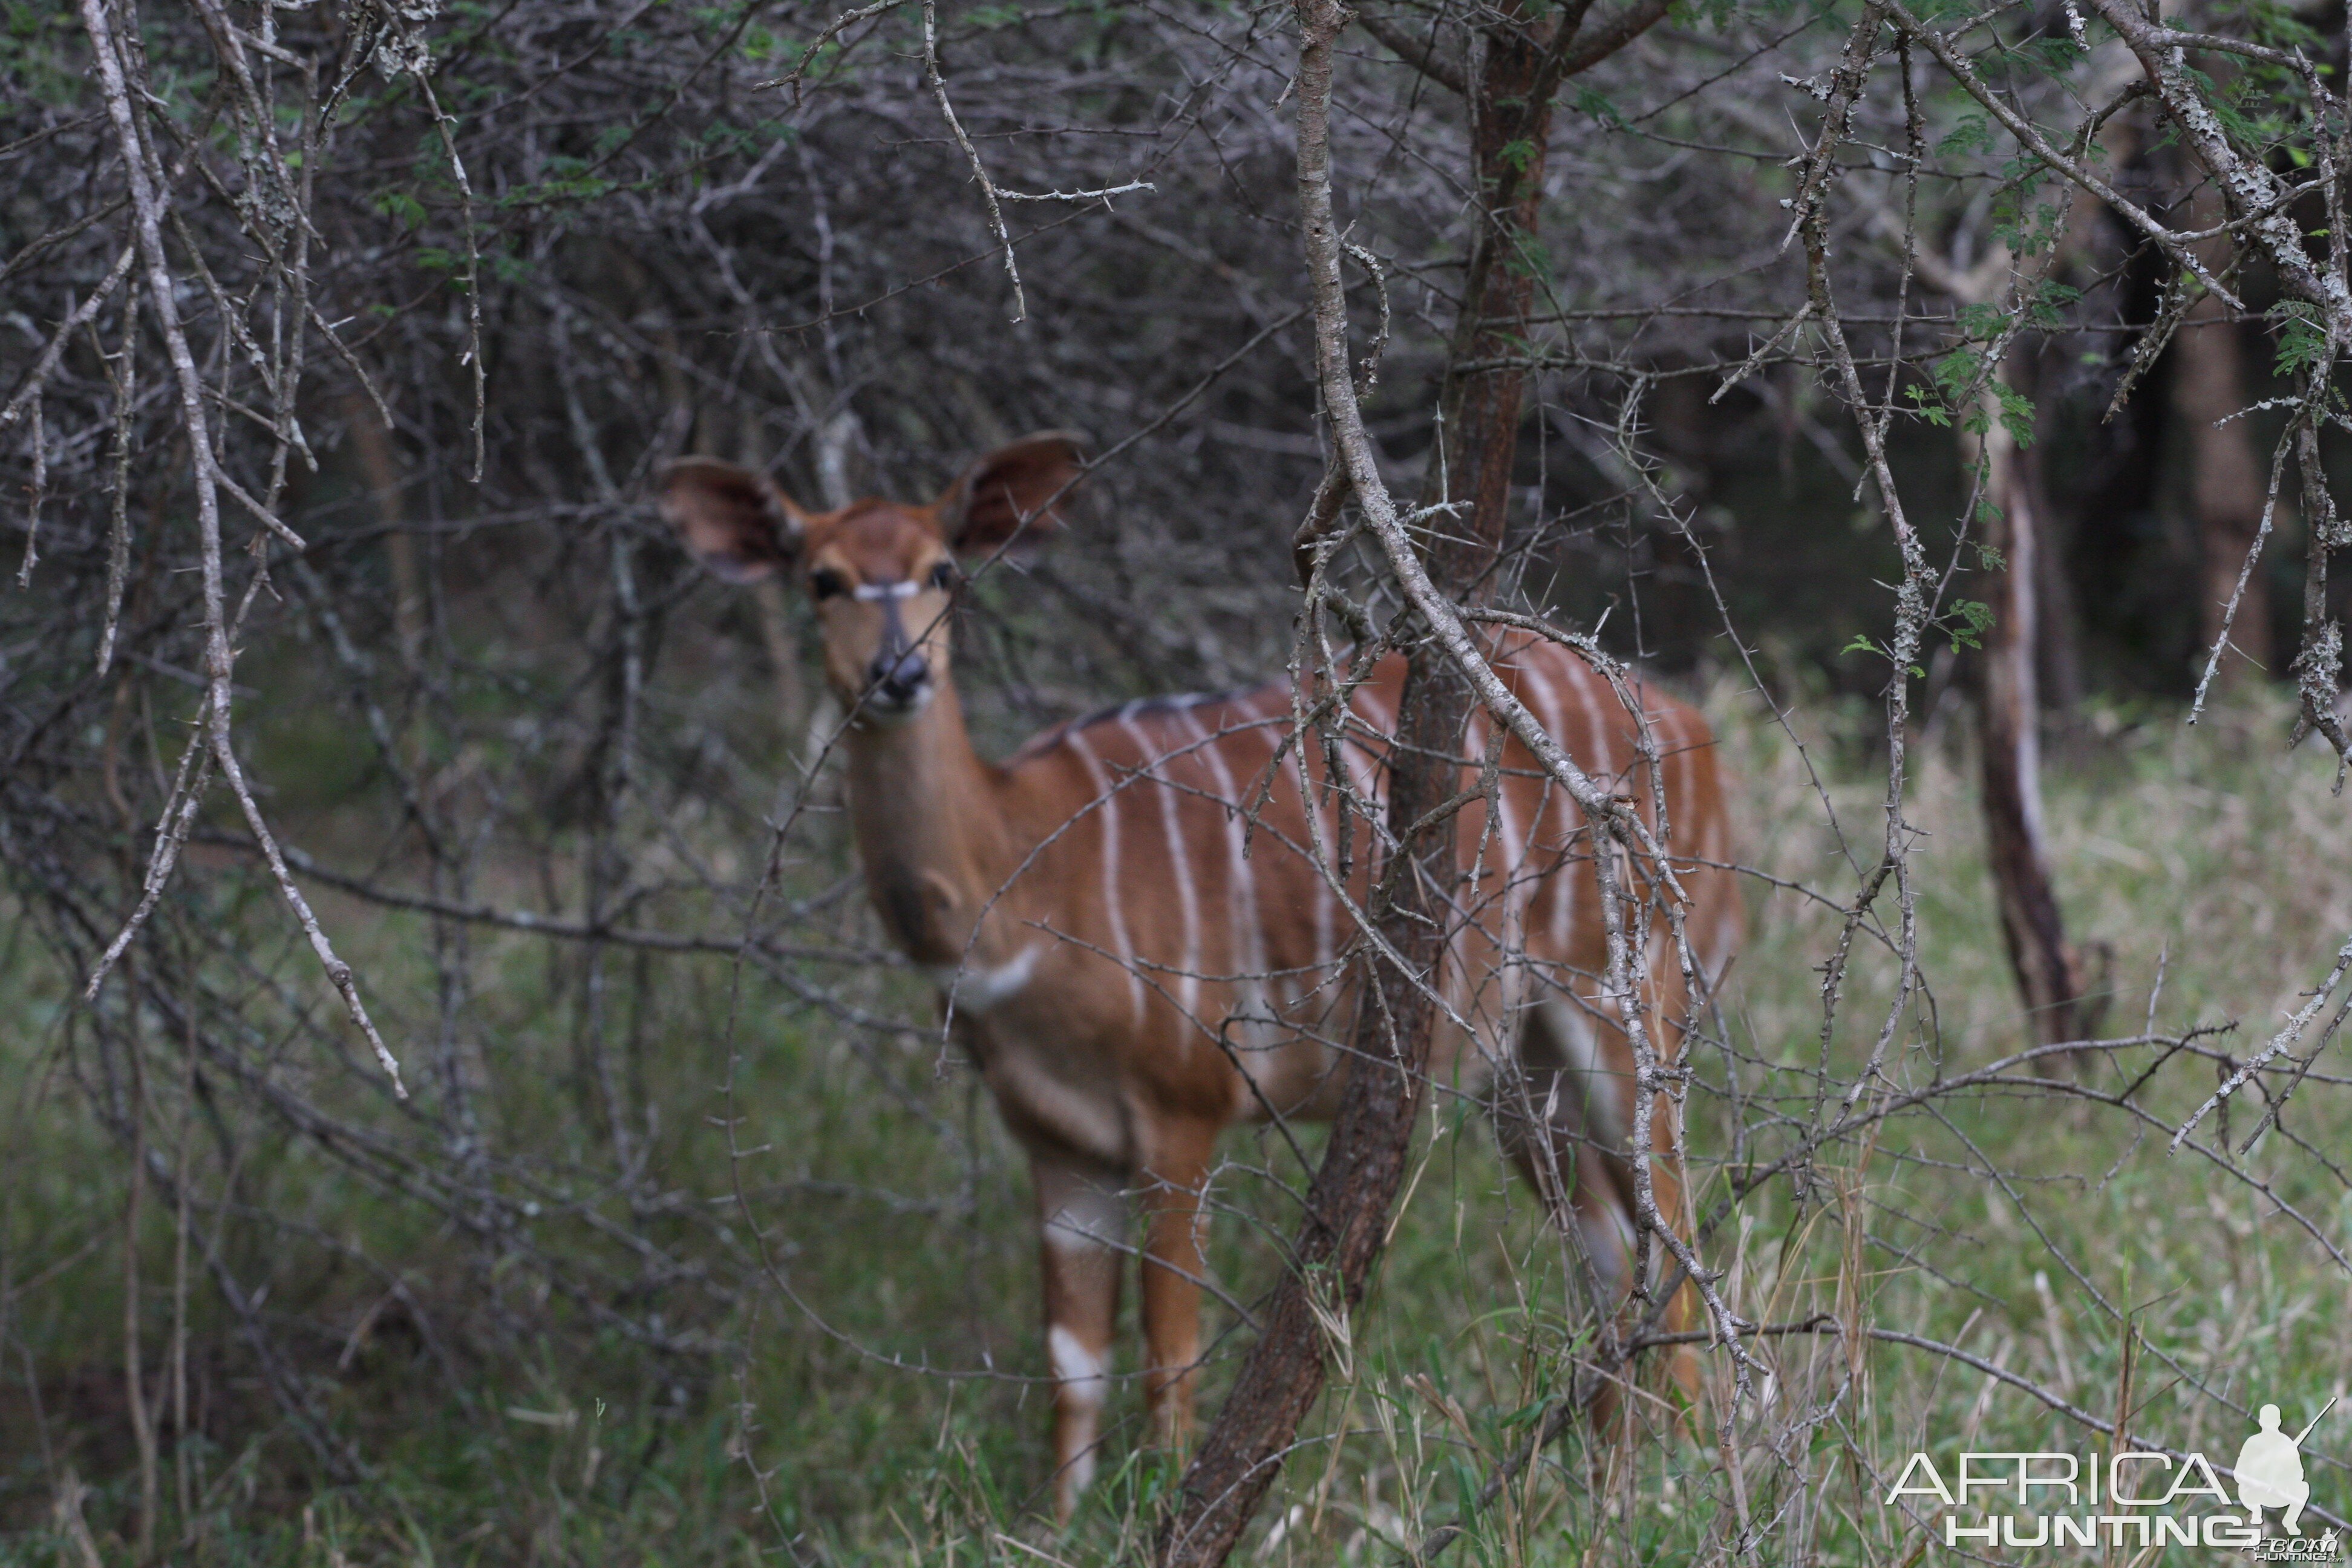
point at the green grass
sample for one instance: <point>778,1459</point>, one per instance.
<point>894,1232</point>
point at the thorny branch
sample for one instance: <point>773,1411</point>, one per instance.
<point>147,204</point>
<point>529,673</point>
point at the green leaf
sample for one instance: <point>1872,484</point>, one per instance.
<point>1956,373</point>
<point>1591,100</point>
<point>2052,301</point>
<point>1528,258</point>
<point>2016,412</point>
<point>2053,55</point>
<point>1980,320</point>
<point>2302,340</point>
<point>1971,135</point>
<point>1967,623</point>
<point>400,207</point>
<point>1927,407</point>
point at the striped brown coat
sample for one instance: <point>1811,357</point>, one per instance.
<point>1140,925</point>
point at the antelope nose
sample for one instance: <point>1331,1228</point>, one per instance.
<point>896,675</point>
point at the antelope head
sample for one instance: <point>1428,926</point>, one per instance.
<point>881,574</point>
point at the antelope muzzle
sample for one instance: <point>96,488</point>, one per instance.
<point>898,681</point>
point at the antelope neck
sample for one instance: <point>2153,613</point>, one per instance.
<point>927,812</point>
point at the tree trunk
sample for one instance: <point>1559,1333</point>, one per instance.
<point>2228,483</point>
<point>2048,975</point>
<point>2058,639</point>
<point>1363,1165</point>
<point>371,443</point>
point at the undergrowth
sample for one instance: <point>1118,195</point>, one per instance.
<point>868,1390</point>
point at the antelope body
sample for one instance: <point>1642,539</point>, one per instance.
<point>1135,941</point>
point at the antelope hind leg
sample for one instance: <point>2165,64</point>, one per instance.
<point>1081,1224</point>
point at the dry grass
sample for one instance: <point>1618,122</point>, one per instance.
<point>2206,854</point>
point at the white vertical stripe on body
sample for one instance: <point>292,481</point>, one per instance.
<point>1180,863</point>
<point>1494,860</point>
<point>1311,803</point>
<point>1357,758</point>
<point>1372,713</point>
<point>1363,773</point>
<point>1121,947</point>
<point>1246,951</point>
<point>1596,758</point>
<point>1561,925</point>
<point>1252,725</point>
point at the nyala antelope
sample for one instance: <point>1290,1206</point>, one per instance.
<point>1125,917</point>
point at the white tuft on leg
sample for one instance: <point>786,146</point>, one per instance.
<point>1090,1217</point>
<point>1081,1386</point>
<point>1606,1120</point>
<point>1077,1369</point>
<point>1608,1237</point>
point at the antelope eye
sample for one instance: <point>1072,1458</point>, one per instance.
<point>825,584</point>
<point>943,575</point>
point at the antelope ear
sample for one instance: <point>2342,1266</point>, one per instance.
<point>736,523</point>
<point>1015,495</point>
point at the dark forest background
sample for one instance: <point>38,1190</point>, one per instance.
<point>688,1183</point>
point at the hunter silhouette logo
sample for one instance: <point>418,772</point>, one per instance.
<point>2270,1469</point>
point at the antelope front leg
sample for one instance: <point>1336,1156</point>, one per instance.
<point>1172,1266</point>
<point>1081,1223</point>
<point>1683,1311</point>
<point>1567,1120</point>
